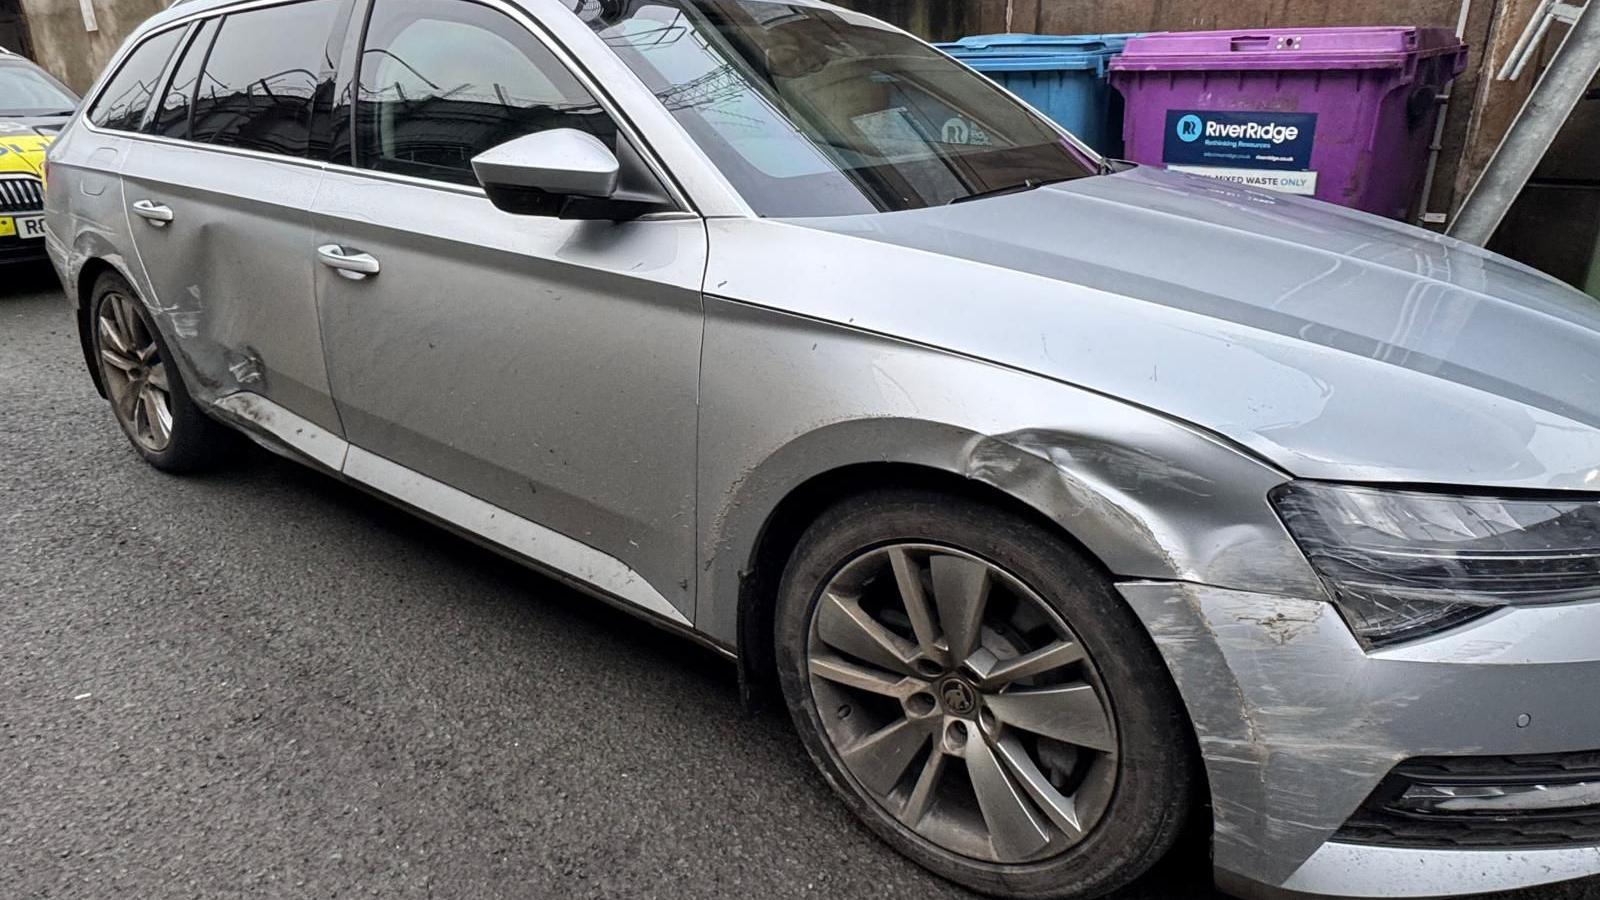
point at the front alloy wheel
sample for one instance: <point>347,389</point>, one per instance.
<point>974,689</point>
<point>965,706</point>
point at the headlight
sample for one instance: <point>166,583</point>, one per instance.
<point>1401,564</point>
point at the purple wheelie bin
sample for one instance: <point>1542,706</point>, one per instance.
<point>1343,114</point>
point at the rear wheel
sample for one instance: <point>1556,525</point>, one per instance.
<point>146,392</point>
<point>978,695</point>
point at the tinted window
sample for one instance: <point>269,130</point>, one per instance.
<point>443,81</point>
<point>122,104</point>
<point>263,77</point>
<point>172,117</point>
<point>811,110</point>
<point>27,91</point>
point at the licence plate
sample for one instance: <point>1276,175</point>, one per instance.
<point>25,227</point>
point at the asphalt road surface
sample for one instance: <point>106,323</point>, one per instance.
<point>262,683</point>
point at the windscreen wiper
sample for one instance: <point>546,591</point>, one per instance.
<point>1027,184</point>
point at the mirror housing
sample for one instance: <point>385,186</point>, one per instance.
<point>568,174</point>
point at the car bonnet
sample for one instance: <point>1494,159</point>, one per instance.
<point>1335,344</point>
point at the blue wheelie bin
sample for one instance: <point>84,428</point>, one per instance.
<point>1062,76</point>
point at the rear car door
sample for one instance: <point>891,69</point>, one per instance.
<point>90,157</point>
<point>219,195</point>
<point>532,366</point>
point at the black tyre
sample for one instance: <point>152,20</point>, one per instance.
<point>975,691</point>
<point>146,391</point>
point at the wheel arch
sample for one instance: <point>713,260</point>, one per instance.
<point>82,293</point>
<point>794,513</point>
<point>788,519</point>
<point>1141,495</point>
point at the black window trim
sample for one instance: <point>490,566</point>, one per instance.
<point>343,74</point>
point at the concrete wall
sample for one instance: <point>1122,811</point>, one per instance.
<point>70,52</point>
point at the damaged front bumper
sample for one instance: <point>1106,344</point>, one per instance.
<point>1435,768</point>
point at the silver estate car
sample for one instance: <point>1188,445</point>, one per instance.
<point>1067,505</point>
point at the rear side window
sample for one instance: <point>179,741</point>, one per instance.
<point>122,104</point>
<point>442,82</point>
<point>264,75</point>
<point>172,117</point>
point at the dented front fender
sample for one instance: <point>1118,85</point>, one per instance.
<point>786,400</point>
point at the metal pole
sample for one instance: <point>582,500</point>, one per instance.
<point>1593,285</point>
<point>1519,53</point>
<point>1530,135</point>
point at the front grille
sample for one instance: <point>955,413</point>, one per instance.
<point>21,194</point>
<point>1385,818</point>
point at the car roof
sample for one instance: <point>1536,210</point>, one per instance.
<point>181,8</point>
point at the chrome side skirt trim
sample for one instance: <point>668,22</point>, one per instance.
<point>523,537</point>
<point>298,434</point>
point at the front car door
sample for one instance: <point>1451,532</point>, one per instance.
<point>219,189</point>
<point>530,379</point>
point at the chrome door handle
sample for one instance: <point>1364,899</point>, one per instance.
<point>157,214</point>
<point>354,266</point>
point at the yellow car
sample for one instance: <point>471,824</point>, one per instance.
<point>33,107</point>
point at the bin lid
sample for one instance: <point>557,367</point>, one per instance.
<point>1036,52</point>
<point>1379,47</point>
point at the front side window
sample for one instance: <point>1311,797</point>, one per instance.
<point>121,105</point>
<point>816,111</point>
<point>262,79</point>
<point>441,82</point>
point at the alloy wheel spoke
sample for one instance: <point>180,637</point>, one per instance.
<point>875,681</point>
<point>845,626</point>
<point>160,418</point>
<point>148,352</point>
<point>1059,809</point>
<point>109,333</point>
<point>157,378</point>
<point>134,324</point>
<point>1044,659</point>
<point>120,310</point>
<point>141,410</point>
<point>1016,830</point>
<point>908,577</point>
<point>926,789</point>
<point>1071,714</point>
<point>880,759</point>
<point>961,592</point>
<point>127,403</point>
<point>116,360</point>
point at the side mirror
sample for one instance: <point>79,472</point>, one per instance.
<point>562,173</point>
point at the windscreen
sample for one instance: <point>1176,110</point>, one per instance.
<point>24,91</point>
<point>811,110</point>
